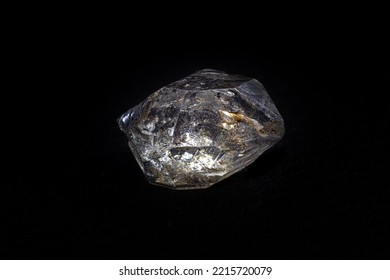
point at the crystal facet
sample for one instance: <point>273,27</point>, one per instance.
<point>199,130</point>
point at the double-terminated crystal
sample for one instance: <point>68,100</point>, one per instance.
<point>199,130</point>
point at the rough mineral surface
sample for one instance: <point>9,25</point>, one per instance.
<point>199,130</point>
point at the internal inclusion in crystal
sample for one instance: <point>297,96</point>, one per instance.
<point>199,130</point>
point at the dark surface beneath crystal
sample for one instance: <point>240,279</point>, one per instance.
<point>322,192</point>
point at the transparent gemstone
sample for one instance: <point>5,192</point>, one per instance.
<point>199,130</point>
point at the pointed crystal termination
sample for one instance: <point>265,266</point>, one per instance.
<point>199,130</point>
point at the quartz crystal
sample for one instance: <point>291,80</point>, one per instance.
<point>199,130</point>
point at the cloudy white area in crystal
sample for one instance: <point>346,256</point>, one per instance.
<point>199,130</point>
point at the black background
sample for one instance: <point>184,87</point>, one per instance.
<point>74,190</point>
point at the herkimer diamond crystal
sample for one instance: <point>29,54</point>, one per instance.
<point>199,130</point>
